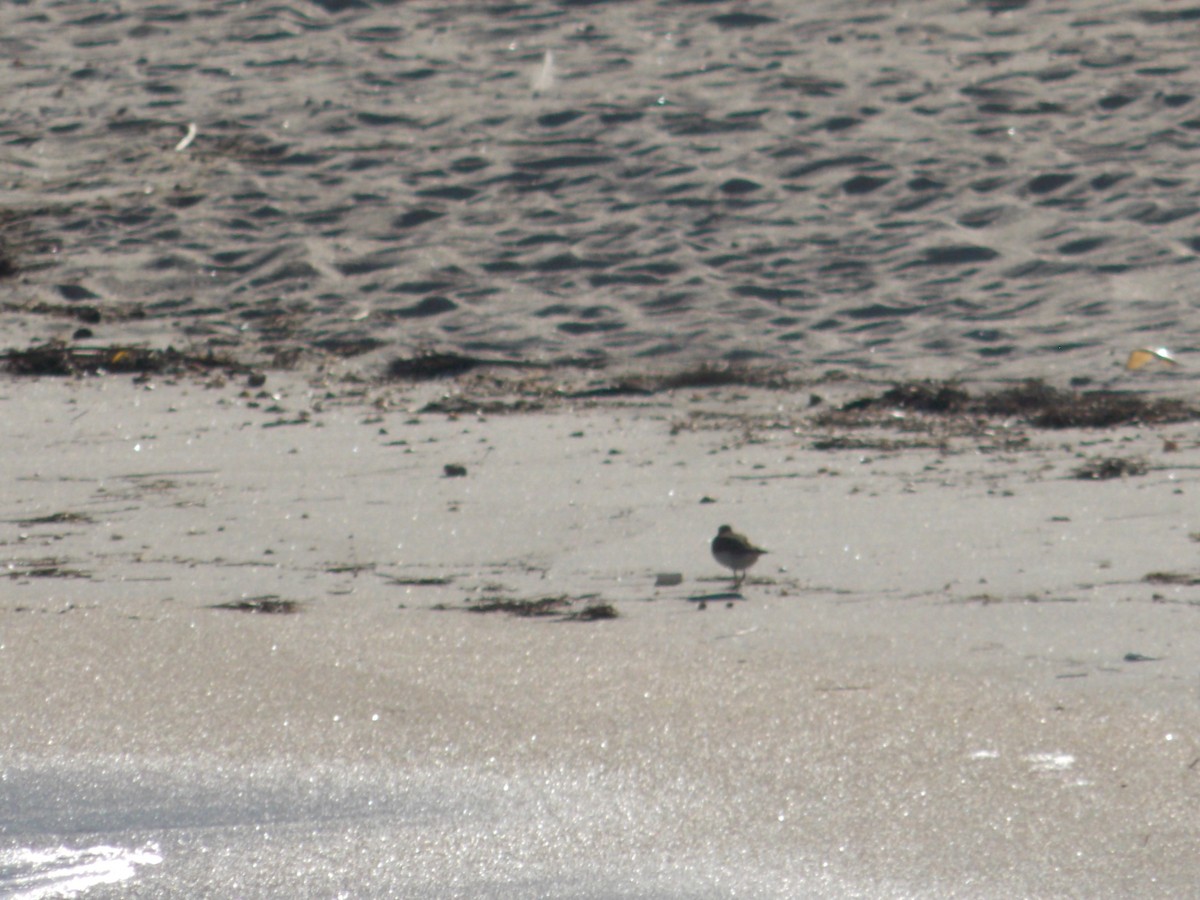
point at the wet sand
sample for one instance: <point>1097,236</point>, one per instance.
<point>949,677</point>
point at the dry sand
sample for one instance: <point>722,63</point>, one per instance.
<point>948,678</point>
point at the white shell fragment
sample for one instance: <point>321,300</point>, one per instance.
<point>187,138</point>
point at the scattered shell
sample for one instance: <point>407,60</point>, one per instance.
<point>187,138</point>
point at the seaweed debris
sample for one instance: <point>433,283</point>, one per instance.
<point>48,567</point>
<point>705,375</point>
<point>1033,402</point>
<point>557,606</point>
<point>435,581</point>
<point>57,358</point>
<point>1104,467</point>
<point>268,603</point>
<point>919,396</point>
<point>58,518</point>
<point>466,406</point>
<point>427,366</point>
<point>1182,578</point>
<point>594,612</point>
<point>544,378</point>
<point>543,606</point>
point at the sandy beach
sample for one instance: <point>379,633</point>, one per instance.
<point>949,677</point>
<point>376,375</point>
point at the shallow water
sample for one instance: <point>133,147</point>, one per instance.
<point>987,187</point>
<point>117,829</point>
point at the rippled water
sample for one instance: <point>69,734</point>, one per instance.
<point>989,185</point>
<point>117,829</point>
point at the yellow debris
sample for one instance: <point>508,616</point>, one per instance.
<point>1143,356</point>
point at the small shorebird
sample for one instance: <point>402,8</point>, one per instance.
<point>734,551</point>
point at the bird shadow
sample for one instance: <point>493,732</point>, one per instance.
<point>716,596</point>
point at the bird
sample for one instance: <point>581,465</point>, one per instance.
<point>734,551</point>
